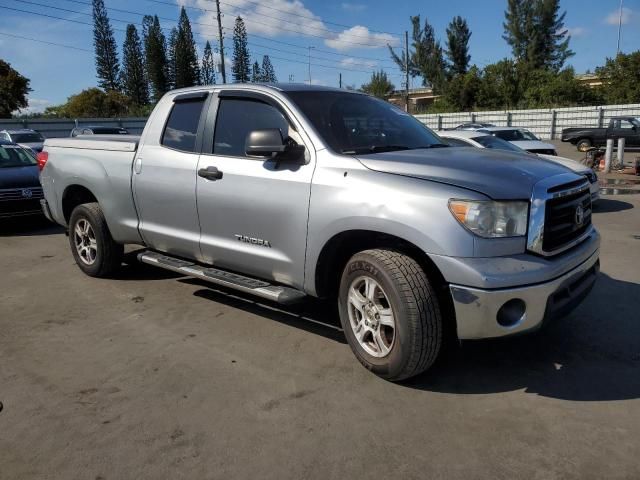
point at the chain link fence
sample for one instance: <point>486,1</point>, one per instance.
<point>545,123</point>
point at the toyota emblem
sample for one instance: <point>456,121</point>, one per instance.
<point>27,193</point>
<point>579,216</point>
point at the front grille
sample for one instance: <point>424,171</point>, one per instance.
<point>27,193</point>
<point>567,217</point>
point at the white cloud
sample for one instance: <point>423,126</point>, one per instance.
<point>353,7</point>
<point>614,17</point>
<point>36,105</point>
<point>576,31</point>
<point>357,63</point>
<point>360,37</point>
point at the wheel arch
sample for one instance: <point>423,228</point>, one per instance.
<point>73,196</point>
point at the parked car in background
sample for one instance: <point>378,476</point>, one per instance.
<point>619,127</point>
<point>471,126</point>
<point>20,190</point>
<point>522,138</point>
<point>98,130</point>
<point>286,190</point>
<point>484,140</point>
<point>24,137</point>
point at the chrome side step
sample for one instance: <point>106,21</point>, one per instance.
<point>250,285</point>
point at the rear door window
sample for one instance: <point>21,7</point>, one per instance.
<point>182,126</point>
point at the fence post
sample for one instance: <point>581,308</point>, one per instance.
<point>600,117</point>
<point>508,119</point>
<point>553,124</point>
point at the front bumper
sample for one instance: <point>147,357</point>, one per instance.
<point>44,205</point>
<point>480,312</point>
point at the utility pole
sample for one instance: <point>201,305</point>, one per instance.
<point>340,80</point>
<point>619,29</point>
<point>224,75</point>
<point>310,48</point>
<point>406,71</point>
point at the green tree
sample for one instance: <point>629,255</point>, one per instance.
<point>132,76</point>
<point>458,35</point>
<point>462,90</point>
<point>92,103</point>
<point>535,31</point>
<point>548,89</point>
<point>379,85</point>
<point>268,72</point>
<point>621,78</point>
<point>171,58</point>
<point>107,66</point>
<point>208,70</point>
<point>256,73</point>
<point>240,66</point>
<point>13,90</point>
<point>426,57</point>
<point>156,63</point>
<point>187,68</point>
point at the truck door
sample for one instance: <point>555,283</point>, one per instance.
<point>625,129</point>
<point>253,218</point>
<point>164,178</point>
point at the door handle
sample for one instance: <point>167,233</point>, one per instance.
<point>210,173</point>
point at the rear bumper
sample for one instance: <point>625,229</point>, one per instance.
<point>46,211</point>
<point>487,313</point>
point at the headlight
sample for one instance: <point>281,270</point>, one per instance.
<point>491,219</point>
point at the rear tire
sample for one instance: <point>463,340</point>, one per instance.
<point>583,144</point>
<point>92,246</point>
<point>390,314</point>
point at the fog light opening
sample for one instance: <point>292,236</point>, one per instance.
<point>511,313</point>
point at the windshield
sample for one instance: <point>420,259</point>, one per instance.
<point>27,138</point>
<point>15,156</point>
<point>353,123</point>
<point>489,141</point>
<point>514,135</point>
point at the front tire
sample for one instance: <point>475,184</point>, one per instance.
<point>92,246</point>
<point>583,144</point>
<point>390,314</point>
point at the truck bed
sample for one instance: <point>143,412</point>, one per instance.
<point>115,143</point>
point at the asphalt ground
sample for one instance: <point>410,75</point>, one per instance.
<point>152,375</point>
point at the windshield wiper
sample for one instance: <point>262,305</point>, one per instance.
<point>388,148</point>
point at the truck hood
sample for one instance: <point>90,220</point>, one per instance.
<point>499,174</point>
<point>19,177</point>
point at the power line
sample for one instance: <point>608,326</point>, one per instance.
<point>211,25</point>
<point>45,42</point>
<point>312,17</point>
<point>306,34</point>
<point>251,43</point>
<point>54,17</point>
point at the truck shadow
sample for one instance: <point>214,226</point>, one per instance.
<point>591,355</point>
<point>312,315</point>
<point>607,205</point>
<point>28,227</point>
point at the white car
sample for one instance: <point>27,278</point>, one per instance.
<point>522,138</point>
<point>479,139</point>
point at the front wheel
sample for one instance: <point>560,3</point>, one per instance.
<point>390,314</point>
<point>583,144</point>
<point>92,246</point>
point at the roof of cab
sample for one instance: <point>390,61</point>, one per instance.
<point>19,130</point>
<point>280,87</point>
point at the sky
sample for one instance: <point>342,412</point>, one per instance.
<point>347,37</point>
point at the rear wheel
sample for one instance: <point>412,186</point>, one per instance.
<point>390,314</point>
<point>583,144</point>
<point>92,246</point>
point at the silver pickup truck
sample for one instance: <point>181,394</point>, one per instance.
<point>286,191</point>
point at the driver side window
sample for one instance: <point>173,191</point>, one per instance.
<point>239,116</point>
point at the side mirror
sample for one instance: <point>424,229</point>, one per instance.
<point>268,143</point>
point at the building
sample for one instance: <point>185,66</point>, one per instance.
<point>419,99</point>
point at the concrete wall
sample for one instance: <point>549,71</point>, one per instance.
<point>545,123</point>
